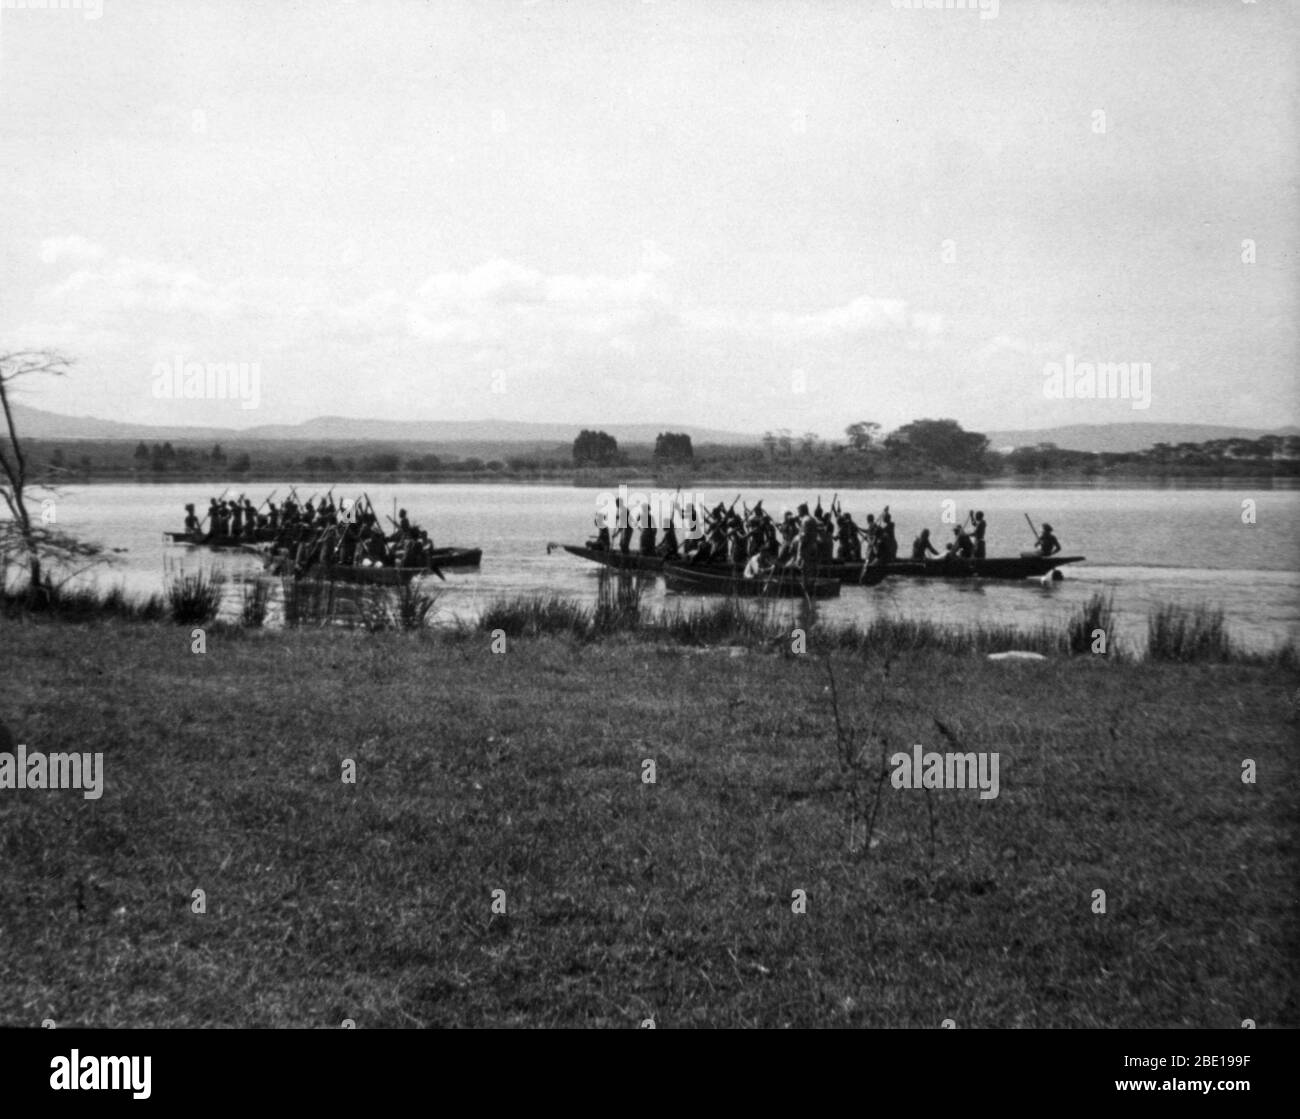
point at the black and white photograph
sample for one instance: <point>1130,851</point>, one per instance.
<point>649,514</point>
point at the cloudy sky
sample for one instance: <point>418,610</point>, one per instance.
<point>742,215</point>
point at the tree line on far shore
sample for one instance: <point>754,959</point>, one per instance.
<point>919,451</point>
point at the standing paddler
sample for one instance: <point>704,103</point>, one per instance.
<point>977,532</point>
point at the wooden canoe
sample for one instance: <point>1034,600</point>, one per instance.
<point>221,543</point>
<point>455,557</point>
<point>363,576</point>
<point>1028,565</point>
<point>620,561</point>
<point>788,584</point>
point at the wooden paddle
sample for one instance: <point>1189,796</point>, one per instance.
<point>872,574</point>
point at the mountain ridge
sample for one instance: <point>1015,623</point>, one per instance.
<point>36,423</point>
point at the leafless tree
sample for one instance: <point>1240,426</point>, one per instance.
<point>35,540</point>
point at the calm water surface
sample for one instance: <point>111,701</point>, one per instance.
<point>1185,546</point>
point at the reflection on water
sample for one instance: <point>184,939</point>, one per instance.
<point>1187,546</point>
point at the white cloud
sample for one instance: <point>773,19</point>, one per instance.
<point>72,248</point>
<point>865,314</point>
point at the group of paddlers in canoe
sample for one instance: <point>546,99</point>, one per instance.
<point>808,550</point>
<point>343,540</point>
<point>816,542</point>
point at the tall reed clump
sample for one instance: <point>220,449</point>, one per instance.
<point>1187,634</point>
<point>195,598</point>
<point>82,603</point>
<point>414,606</point>
<point>116,604</point>
<point>618,603</point>
<point>1092,627</point>
<point>403,607</point>
<point>256,602</point>
<point>307,601</point>
<point>525,616</point>
<point>891,636</point>
<point>728,619</point>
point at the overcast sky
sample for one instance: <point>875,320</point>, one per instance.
<point>742,215</point>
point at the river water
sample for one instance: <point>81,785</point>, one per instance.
<point>1145,546</point>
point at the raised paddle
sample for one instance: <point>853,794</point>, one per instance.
<point>1037,534</point>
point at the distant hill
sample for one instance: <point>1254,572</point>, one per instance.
<point>35,423</point>
<point>1121,438</point>
<point>492,436</point>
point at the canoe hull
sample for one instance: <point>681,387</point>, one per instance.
<point>444,558</point>
<point>620,561</point>
<point>698,580</point>
<point>995,567</point>
<point>363,576</point>
<point>220,543</point>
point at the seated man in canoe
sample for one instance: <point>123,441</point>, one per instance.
<point>962,546</point>
<point>762,563</point>
<point>1048,545</point>
<point>922,548</point>
<point>602,533</point>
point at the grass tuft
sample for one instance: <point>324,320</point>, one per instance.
<point>1096,614</point>
<point>195,599</point>
<point>1188,635</point>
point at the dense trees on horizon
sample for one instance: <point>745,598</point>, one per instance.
<point>673,447</point>
<point>594,448</point>
<point>922,451</point>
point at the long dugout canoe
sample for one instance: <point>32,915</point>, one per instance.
<point>373,576</point>
<point>620,561</point>
<point>996,567</point>
<point>207,540</point>
<point>787,584</point>
<point>454,557</point>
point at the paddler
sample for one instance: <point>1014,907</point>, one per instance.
<point>668,542</point>
<point>888,538</point>
<point>788,548</point>
<point>1048,545</point>
<point>762,563</point>
<point>873,536</point>
<point>624,527</point>
<point>692,528</point>
<point>648,531</point>
<point>977,532</point>
<point>809,545</point>
<point>847,549</point>
<point>601,542</point>
<point>922,549</point>
<point>191,522</point>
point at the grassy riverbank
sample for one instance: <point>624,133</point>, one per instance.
<point>522,771</point>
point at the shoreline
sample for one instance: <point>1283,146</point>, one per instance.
<point>274,605</point>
